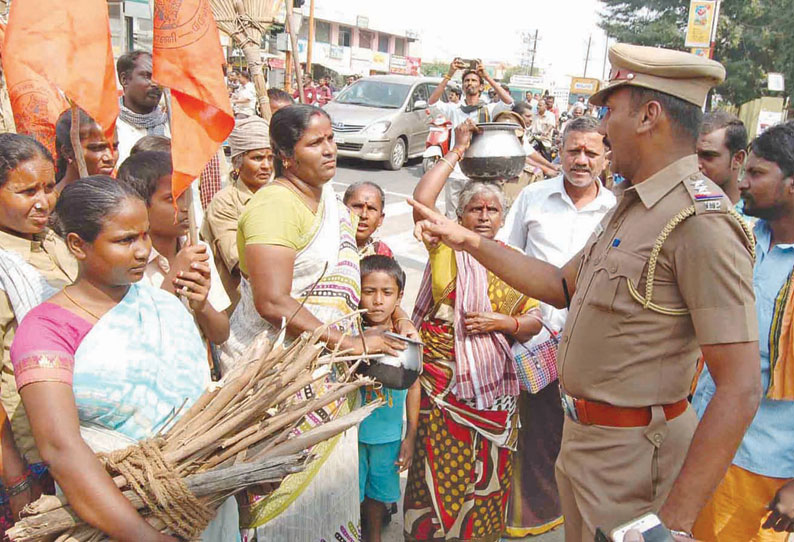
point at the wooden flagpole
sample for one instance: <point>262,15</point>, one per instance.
<point>295,57</point>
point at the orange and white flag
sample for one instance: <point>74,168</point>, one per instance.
<point>187,58</point>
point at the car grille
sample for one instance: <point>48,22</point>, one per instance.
<point>349,146</point>
<point>346,128</point>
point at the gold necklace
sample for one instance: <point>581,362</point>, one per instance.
<point>78,305</point>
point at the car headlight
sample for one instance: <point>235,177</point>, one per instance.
<point>377,128</point>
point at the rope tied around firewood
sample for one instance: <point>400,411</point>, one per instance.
<point>158,485</point>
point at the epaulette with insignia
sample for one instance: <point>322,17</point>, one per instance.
<point>706,199</point>
<point>705,195</point>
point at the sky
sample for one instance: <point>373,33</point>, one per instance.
<point>450,29</point>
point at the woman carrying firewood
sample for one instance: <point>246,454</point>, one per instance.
<point>299,263</point>
<point>107,361</point>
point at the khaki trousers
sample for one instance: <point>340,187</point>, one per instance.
<point>610,475</point>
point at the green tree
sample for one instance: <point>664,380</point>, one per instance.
<point>754,37</point>
<point>435,69</point>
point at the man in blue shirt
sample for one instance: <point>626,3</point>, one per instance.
<point>764,461</point>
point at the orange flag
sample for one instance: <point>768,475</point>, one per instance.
<point>36,103</point>
<point>187,58</point>
<point>68,44</point>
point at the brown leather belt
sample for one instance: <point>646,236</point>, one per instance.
<point>594,413</point>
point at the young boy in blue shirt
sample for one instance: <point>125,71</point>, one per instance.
<point>382,451</point>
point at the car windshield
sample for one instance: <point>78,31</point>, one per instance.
<point>374,94</point>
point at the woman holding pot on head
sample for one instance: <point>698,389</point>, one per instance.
<point>252,163</point>
<point>107,361</point>
<point>459,481</point>
<point>299,265</point>
<point>34,264</point>
<point>100,154</point>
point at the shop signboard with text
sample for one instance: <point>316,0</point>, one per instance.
<point>405,65</point>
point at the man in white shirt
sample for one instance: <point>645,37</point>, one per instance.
<point>544,123</point>
<point>552,219</point>
<point>244,98</point>
<point>140,114</point>
<point>472,106</point>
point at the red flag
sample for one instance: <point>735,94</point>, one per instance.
<point>36,103</point>
<point>187,58</point>
<point>67,43</point>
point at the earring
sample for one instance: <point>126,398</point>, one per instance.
<point>236,174</point>
<point>286,163</point>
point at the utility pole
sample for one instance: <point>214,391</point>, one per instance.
<point>530,47</point>
<point>534,50</point>
<point>587,56</point>
<point>606,54</point>
<point>311,38</point>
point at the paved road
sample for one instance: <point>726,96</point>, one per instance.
<point>397,232</point>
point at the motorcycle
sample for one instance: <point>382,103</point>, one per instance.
<point>437,143</point>
<point>545,147</point>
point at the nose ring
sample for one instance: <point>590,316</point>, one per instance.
<point>37,206</point>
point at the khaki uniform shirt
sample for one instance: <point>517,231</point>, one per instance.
<point>219,230</point>
<point>615,351</point>
<point>49,255</point>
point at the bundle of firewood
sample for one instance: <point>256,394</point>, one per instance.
<point>238,434</point>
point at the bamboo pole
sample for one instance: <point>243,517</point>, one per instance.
<point>310,42</point>
<point>295,58</point>
<point>74,138</point>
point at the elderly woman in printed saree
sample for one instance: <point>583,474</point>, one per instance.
<point>34,264</point>
<point>299,265</point>
<point>107,361</point>
<point>459,482</point>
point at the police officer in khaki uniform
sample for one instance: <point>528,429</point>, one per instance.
<point>667,275</point>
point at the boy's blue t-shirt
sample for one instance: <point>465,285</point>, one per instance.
<point>385,424</point>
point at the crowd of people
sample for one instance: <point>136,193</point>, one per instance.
<point>667,300</point>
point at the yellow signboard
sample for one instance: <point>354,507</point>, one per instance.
<point>582,85</point>
<point>701,20</point>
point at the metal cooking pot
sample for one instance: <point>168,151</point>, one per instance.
<point>397,372</point>
<point>495,154</point>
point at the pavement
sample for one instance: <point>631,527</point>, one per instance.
<point>397,233</point>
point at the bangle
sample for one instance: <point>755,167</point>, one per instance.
<point>398,320</point>
<point>447,162</point>
<point>518,325</point>
<point>457,153</point>
<point>19,487</point>
<point>447,77</point>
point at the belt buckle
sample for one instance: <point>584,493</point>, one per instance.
<point>569,406</point>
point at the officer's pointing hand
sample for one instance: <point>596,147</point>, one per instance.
<point>435,228</point>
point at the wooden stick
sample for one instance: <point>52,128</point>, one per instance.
<point>74,138</point>
<point>294,42</point>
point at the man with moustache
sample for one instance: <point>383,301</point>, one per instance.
<point>551,220</point>
<point>472,107</point>
<point>139,113</point>
<point>666,275</point>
